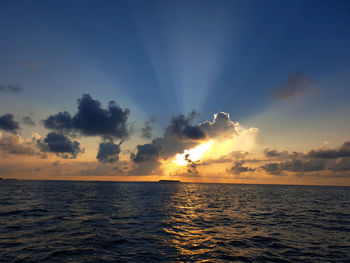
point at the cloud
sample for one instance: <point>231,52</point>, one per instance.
<point>321,162</point>
<point>239,168</point>
<point>146,160</point>
<point>343,151</point>
<point>191,166</point>
<point>11,88</point>
<point>108,152</point>
<point>146,152</point>
<point>298,166</point>
<point>179,135</point>
<point>180,127</point>
<point>16,145</point>
<point>282,155</point>
<point>235,155</point>
<point>342,165</point>
<point>182,134</point>
<point>146,168</point>
<point>28,120</point>
<point>60,145</point>
<point>103,169</point>
<point>61,121</point>
<point>92,120</point>
<point>297,84</point>
<point>272,168</point>
<point>221,126</point>
<point>275,154</point>
<point>146,131</point>
<point>8,124</point>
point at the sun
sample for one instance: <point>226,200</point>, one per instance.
<point>194,154</point>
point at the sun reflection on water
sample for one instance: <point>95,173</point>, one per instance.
<point>184,226</point>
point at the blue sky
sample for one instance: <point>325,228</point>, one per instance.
<point>171,57</point>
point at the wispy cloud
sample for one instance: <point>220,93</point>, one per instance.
<point>11,88</point>
<point>297,84</point>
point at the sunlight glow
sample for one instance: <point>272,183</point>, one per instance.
<point>194,154</point>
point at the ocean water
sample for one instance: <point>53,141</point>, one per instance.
<point>63,221</point>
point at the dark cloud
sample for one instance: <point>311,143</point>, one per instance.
<point>343,151</point>
<point>191,166</point>
<point>326,162</point>
<point>342,165</point>
<point>180,126</point>
<point>108,152</point>
<point>239,168</point>
<point>60,145</point>
<point>61,121</point>
<point>11,88</point>
<point>172,145</point>
<point>28,120</point>
<point>92,120</point>
<point>146,131</point>
<point>282,155</point>
<point>8,124</point>
<point>235,155</point>
<point>275,154</point>
<point>298,166</point>
<point>147,152</point>
<point>273,168</point>
<point>296,84</point>
<point>146,160</point>
<point>148,156</point>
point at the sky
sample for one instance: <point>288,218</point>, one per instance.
<point>200,91</point>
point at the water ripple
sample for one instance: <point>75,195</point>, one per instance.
<point>42,221</point>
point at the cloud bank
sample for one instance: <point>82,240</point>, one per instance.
<point>329,162</point>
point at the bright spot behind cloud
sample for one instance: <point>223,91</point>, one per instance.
<point>218,147</point>
<point>195,154</point>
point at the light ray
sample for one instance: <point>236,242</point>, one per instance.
<point>195,154</point>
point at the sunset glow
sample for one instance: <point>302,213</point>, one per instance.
<point>174,131</point>
<point>178,89</point>
<point>193,155</point>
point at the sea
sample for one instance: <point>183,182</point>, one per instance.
<point>71,221</point>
